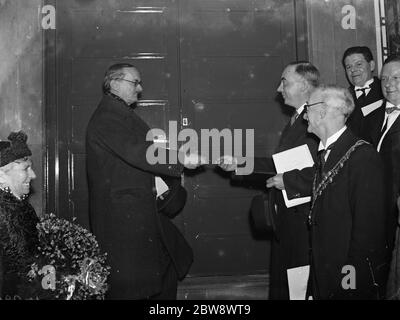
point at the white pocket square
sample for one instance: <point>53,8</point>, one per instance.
<point>371,107</point>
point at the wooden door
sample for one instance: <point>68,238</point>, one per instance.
<point>92,35</point>
<point>204,63</point>
<point>231,56</point>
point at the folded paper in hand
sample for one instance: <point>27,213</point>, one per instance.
<point>295,158</point>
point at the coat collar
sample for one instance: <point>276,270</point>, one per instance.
<point>339,148</point>
<point>293,132</point>
<point>116,104</point>
<point>374,85</point>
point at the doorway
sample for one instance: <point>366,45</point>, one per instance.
<point>205,64</point>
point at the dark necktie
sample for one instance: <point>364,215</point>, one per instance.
<point>363,90</point>
<point>388,111</point>
<point>322,154</point>
<point>321,162</point>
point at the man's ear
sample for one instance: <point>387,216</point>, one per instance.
<point>372,65</point>
<point>323,112</point>
<point>114,85</point>
<point>3,178</point>
<point>305,86</point>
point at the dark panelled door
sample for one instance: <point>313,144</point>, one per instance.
<point>92,35</point>
<point>232,55</point>
<point>204,63</point>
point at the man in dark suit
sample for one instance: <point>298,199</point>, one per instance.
<point>366,90</point>
<point>386,134</point>
<point>347,227</point>
<point>290,246</point>
<point>146,252</point>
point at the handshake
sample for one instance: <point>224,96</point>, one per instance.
<point>194,160</point>
<point>230,163</point>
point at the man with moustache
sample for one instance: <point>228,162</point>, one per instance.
<point>146,252</point>
<point>290,246</point>
<point>347,228</point>
<point>366,90</point>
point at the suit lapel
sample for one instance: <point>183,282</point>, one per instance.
<point>340,147</point>
<point>395,126</point>
<point>292,133</point>
<point>394,129</point>
<point>376,123</point>
<point>127,113</point>
<point>373,95</point>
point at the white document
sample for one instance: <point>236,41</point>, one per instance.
<point>295,158</point>
<point>161,186</point>
<point>297,280</point>
<point>371,107</point>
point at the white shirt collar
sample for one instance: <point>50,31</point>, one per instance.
<point>389,120</point>
<point>300,109</point>
<point>366,84</point>
<point>333,138</point>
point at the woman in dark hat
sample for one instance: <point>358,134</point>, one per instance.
<point>18,235</point>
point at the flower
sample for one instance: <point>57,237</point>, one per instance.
<point>68,263</point>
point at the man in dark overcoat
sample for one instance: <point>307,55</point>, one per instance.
<point>146,252</point>
<point>347,218</point>
<point>386,138</point>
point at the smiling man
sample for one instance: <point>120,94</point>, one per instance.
<point>387,142</point>
<point>346,221</point>
<point>359,65</point>
<point>385,130</point>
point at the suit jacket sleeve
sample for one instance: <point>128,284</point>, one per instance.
<point>264,165</point>
<point>118,138</point>
<point>298,183</point>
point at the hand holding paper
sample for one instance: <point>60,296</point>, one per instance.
<point>295,158</point>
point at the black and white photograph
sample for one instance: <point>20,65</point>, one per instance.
<point>200,156</point>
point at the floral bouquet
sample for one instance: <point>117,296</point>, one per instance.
<point>68,264</point>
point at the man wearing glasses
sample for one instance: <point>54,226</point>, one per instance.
<point>346,221</point>
<point>146,252</point>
